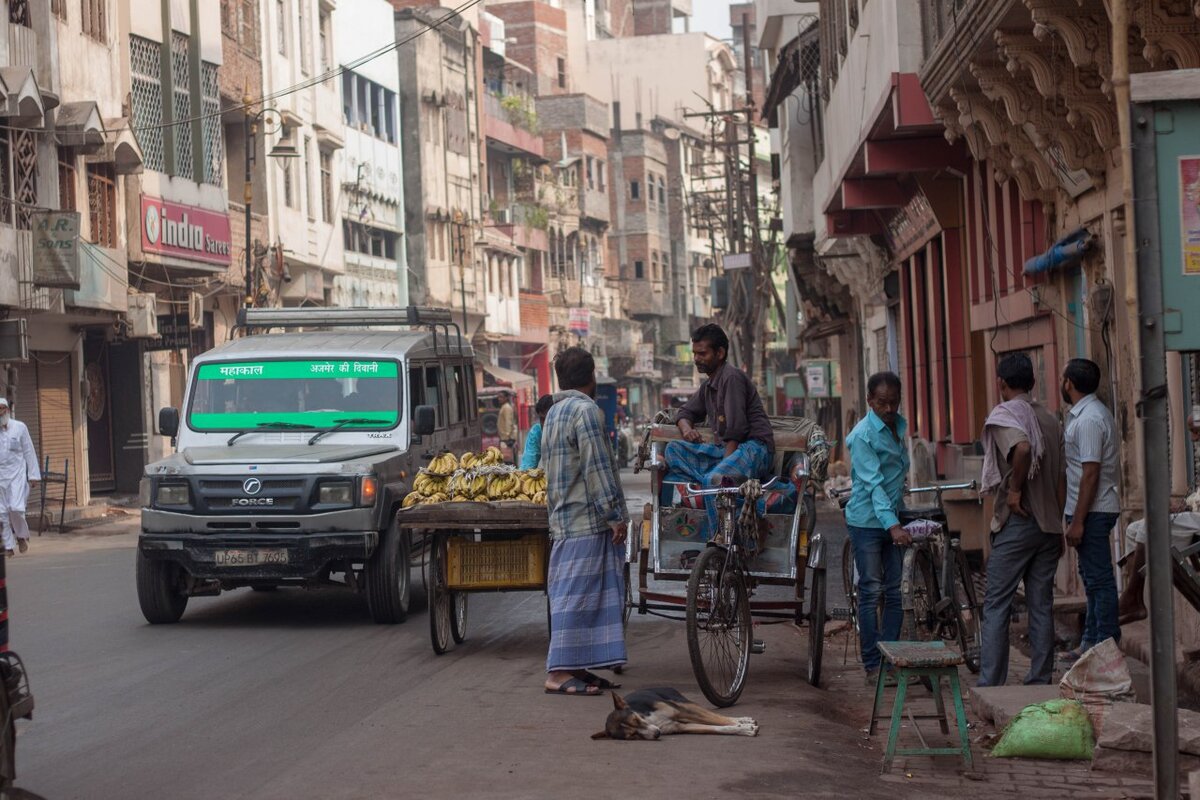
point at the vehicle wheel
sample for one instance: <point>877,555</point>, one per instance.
<point>8,746</point>
<point>458,616</point>
<point>920,617</point>
<point>718,627</point>
<point>967,613</point>
<point>816,626</point>
<point>159,592</point>
<point>388,573</point>
<point>849,584</point>
<point>439,598</point>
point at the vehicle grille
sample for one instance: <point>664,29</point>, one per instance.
<point>276,495</point>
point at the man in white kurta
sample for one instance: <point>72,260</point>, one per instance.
<point>18,471</point>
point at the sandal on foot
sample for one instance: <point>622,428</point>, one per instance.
<point>592,679</point>
<point>575,686</point>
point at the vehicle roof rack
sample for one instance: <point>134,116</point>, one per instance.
<point>410,316</point>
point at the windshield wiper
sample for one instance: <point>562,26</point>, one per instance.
<point>277,426</point>
<point>341,423</point>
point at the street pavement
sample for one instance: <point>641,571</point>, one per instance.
<point>297,694</point>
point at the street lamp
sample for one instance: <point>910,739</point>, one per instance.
<point>272,121</point>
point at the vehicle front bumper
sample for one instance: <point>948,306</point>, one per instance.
<point>309,554</point>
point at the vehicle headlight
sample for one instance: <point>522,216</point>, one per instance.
<point>174,494</point>
<point>336,494</point>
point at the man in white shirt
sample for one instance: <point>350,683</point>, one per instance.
<point>1093,500</point>
<point>18,472</point>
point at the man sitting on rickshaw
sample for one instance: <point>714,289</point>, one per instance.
<point>727,400</point>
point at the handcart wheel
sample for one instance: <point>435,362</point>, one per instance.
<point>458,616</point>
<point>439,597</point>
<point>816,626</point>
<point>628,610</point>
<point>718,627</point>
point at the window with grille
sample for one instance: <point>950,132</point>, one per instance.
<point>323,32</point>
<point>102,204</point>
<point>562,73</point>
<point>210,125</point>
<point>281,26</point>
<point>6,190</point>
<point>66,180</point>
<point>881,350</point>
<point>147,99</point>
<point>182,106</point>
<point>639,270</point>
<point>18,13</point>
<point>305,40</point>
<point>326,186</point>
<point>94,18</point>
<point>289,192</point>
<point>248,19</point>
<point>309,206</point>
<point>25,176</point>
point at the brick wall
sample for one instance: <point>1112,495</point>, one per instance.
<point>651,17</point>
<point>540,31</point>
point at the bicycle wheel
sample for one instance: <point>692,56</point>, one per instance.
<point>967,612</point>
<point>816,627</point>
<point>849,584</point>
<point>718,626</point>
<point>920,617</point>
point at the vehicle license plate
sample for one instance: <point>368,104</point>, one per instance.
<point>249,558</point>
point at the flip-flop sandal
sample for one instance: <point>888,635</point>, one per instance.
<point>600,683</point>
<point>575,686</point>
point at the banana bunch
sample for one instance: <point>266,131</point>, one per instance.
<point>443,464</point>
<point>531,482</point>
<point>427,484</point>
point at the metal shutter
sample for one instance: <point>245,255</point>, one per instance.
<point>55,415</point>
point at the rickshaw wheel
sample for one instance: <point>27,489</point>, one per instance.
<point>718,627</point>
<point>458,616</point>
<point>439,598</point>
<point>816,626</point>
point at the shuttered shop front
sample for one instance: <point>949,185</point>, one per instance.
<point>51,422</point>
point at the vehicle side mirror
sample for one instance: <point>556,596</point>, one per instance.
<point>168,421</point>
<point>424,420</point>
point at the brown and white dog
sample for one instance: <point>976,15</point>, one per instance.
<point>651,713</point>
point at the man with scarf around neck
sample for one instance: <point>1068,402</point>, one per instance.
<point>1024,465</point>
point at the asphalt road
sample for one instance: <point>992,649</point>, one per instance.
<point>297,694</point>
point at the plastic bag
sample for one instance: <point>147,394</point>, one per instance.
<point>1058,729</point>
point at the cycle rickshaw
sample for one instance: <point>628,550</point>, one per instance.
<point>766,537</point>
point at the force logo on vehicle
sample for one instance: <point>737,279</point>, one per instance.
<point>251,501</point>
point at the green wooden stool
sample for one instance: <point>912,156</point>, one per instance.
<point>932,660</point>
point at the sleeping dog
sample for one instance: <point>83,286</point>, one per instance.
<point>651,713</point>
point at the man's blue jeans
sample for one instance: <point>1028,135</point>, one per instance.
<point>879,563</point>
<point>1096,570</point>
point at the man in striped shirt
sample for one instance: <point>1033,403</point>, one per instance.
<point>588,524</point>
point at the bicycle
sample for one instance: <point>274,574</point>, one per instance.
<point>718,594</point>
<point>937,586</point>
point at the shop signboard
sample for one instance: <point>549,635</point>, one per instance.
<point>816,378</point>
<point>188,232</point>
<point>579,321</point>
<point>908,230</point>
<point>55,248</point>
<point>174,333</point>
<point>644,365</point>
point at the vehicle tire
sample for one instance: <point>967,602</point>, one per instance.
<point>8,745</point>
<point>389,577</point>
<point>458,616</point>
<point>719,629</point>
<point>849,584</point>
<point>967,612</point>
<point>439,597</point>
<point>159,593</point>
<point>816,626</point>
<point>920,618</point>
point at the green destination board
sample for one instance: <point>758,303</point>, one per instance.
<point>278,370</point>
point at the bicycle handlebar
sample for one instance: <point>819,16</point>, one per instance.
<point>724,489</point>
<point>948,487</point>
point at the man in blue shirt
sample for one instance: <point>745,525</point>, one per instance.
<point>878,467</point>
<point>531,454</point>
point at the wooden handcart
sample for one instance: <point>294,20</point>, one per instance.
<point>497,546</point>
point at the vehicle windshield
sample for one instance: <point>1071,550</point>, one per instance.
<point>316,394</point>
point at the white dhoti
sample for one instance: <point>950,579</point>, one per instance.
<point>18,466</point>
<point>1185,529</point>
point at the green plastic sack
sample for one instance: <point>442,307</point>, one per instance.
<point>1053,729</point>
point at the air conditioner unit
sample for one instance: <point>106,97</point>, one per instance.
<point>14,340</point>
<point>195,310</point>
<point>142,316</point>
<point>503,216</point>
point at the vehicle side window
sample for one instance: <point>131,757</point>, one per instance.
<point>433,393</point>
<point>455,395</point>
<point>416,390</point>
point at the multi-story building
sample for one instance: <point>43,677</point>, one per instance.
<point>443,184</point>
<point>65,148</point>
<point>367,195</point>
<point>306,247</point>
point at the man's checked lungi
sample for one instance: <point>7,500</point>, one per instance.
<point>708,465</point>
